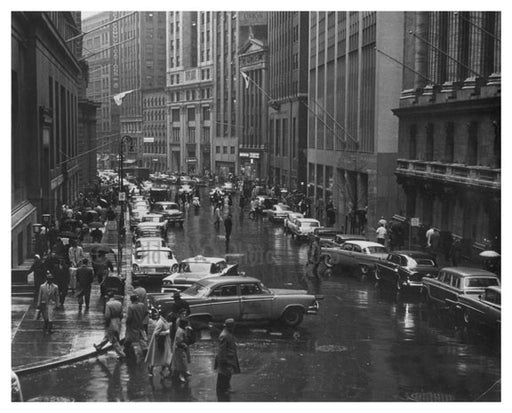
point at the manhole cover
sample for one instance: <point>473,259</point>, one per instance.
<point>331,348</point>
<point>431,397</point>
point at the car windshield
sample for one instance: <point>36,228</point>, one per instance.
<point>480,282</point>
<point>154,256</point>
<point>376,250</point>
<point>264,289</point>
<point>310,224</point>
<point>196,290</point>
<point>202,267</point>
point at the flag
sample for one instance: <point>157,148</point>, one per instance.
<point>246,79</point>
<point>120,96</point>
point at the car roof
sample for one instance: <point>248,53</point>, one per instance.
<point>149,239</point>
<point>469,271</point>
<point>413,254</point>
<point>153,249</point>
<point>364,244</point>
<point>166,203</point>
<point>494,288</point>
<point>154,215</point>
<point>200,258</point>
<point>308,220</point>
<point>212,281</point>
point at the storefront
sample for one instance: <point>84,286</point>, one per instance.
<point>250,164</point>
<point>191,165</point>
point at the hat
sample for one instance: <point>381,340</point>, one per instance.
<point>37,256</point>
<point>229,322</point>
<point>49,275</point>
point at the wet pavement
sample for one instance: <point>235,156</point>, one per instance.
<point>366,343</point>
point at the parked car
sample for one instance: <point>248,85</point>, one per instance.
<point>156,263</point>
<point>355,255</point>
<point>197,268</point>
<point>136,216</point>
<point>149,229</point>
<point>265,203</point>
<point>301,228</point>
<point>185,189</point>
<point>186,180</point>
<point>326,235</point>
<point>228,187</point>
<point>170,211</point>
<point>245,299</point>
<point>339,239</point>
<point>16,393</point>
<point>290,217</point>
<point>453,282</point>
<point>406,269</point>
<point>484,309</point>
<point>278,212</point>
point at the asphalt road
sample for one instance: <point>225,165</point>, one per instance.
<point>366,343</point>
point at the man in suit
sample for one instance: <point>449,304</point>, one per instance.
<point>113,317</point>
<point>84,277</point>
<point>226,362</point>
<point>47,301</point>
<point>135,334</point>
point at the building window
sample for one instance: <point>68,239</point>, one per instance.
<point>191,114</point>
<point>175,115</point>
<point>232,150</point>
<point>191,134</point>
<point>205,138</point>
<point>206,113</point>
<point>449,148</point>
<point>224,149</point>
<point>217,149</point>
<point>413,131</point>
<point>176,134</point>
<point>278,137</point>
<point>472,157</point>
<point>429,144</point>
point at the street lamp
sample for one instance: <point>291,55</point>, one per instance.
<point>36,229</point>
<point>122,198</point>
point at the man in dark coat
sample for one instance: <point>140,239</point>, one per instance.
<point>180,306</point>
<point>228,225</point>
<point>84,278</point>
<point>226,362</point>
<point>135,333</point>
<point>39,269</point>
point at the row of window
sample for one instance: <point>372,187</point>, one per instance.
<point>232,150</point>
<point>191,114</point>
<point>154,101</point>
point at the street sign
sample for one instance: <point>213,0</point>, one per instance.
<point>149,139</point>
<point>122,196</point>
<point>415,222</point>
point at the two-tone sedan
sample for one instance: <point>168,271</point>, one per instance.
<point>150,243</point>
<point>355,255</point>
<point>153,264</point>
<point>170,211</point>
<point>289,218</point>
<point>278,212</point>
<point>149,229</point>
<point>302,228</point>
<point>484,309</point>
<point>406,269</point>
<point>195,269</point>
<point>245,299</point>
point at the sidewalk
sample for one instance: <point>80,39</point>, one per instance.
<point>75,333</point>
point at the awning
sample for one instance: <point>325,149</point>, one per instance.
<point>21,213</point>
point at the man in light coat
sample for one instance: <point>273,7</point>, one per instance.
<point>113,317</point>
<point>47,301</point>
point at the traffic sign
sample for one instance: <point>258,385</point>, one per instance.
<point>415,222</point>
<point>122,196</point>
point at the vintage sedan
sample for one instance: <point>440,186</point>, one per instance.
<point>484,309</point>
<point>149,229</point>
<point>278,212</point>
<point>339,239</point>
<point>406,269</point>
<point>289,218</point>
<point>170,211</point>
<point>158,219</point>
<point>454,282</point>
<point>196,268</point>
<point>154,263</point>
<point>150,242</point>
<point>185,189</point>
<point>355,255</point>
<point>245,299</point>
<point>301,228</point>
<point>228,187</point>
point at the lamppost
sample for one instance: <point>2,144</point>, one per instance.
<point>36,229</point>
<point>122,198</point>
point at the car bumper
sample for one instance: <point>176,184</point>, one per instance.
<point>313,309</point>
<point>414,284</point>
<point>148,275</point>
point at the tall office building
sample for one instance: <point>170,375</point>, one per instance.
<point>288,88</point>
<point>449,166</point>
<point>189,91</point>
<point>352,133</point>
<point>232,30</point>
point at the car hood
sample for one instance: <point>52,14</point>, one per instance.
<point>172,212</point>
<point>189,276</point>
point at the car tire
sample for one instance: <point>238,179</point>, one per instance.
<point>328,261</point>
<point>292,317</point>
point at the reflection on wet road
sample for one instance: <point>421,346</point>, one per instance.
<point>366,343</point>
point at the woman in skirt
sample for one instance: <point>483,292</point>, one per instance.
<point>159,351</point>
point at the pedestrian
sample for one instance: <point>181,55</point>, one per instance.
<point>84,277</point>
<point>228,225</point>
<point>96,235</point>
<point>455,252</point>
<point>179,307</point>
<point>241,203</point>
<point>101,265</point>
<point>314,252</point>
<point>48,301</point>
<point>218,217</point>
<point>75,256</point>
<point>382,222</point>
<point>135,336</point>
<point>141,294</point>
<point>180,352</point>
<point>38,268</point>
<point>330,212</point>
<point>159,351</point>
<point>113,317</point>
<point>226,362</point>
<point>62,280</point>
<point>381,232</point>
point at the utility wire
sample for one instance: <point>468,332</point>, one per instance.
<point>100,27</point>
<point>477,26</point>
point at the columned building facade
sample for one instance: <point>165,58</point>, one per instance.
<point>189,91</point>
<point>288,89</point>
<point>352,133</point>
<point>154,130</point>
<point>253,144</point>
<point>449,166</point>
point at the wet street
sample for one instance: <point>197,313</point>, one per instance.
<point>366,343</point>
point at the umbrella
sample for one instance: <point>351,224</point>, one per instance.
<point>97,248</point>
<point>67,234</point>
<point>104,202</point>
<point>489,254</point>
<point>95,225</point>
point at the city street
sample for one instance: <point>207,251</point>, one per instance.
<point>365,344</point>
